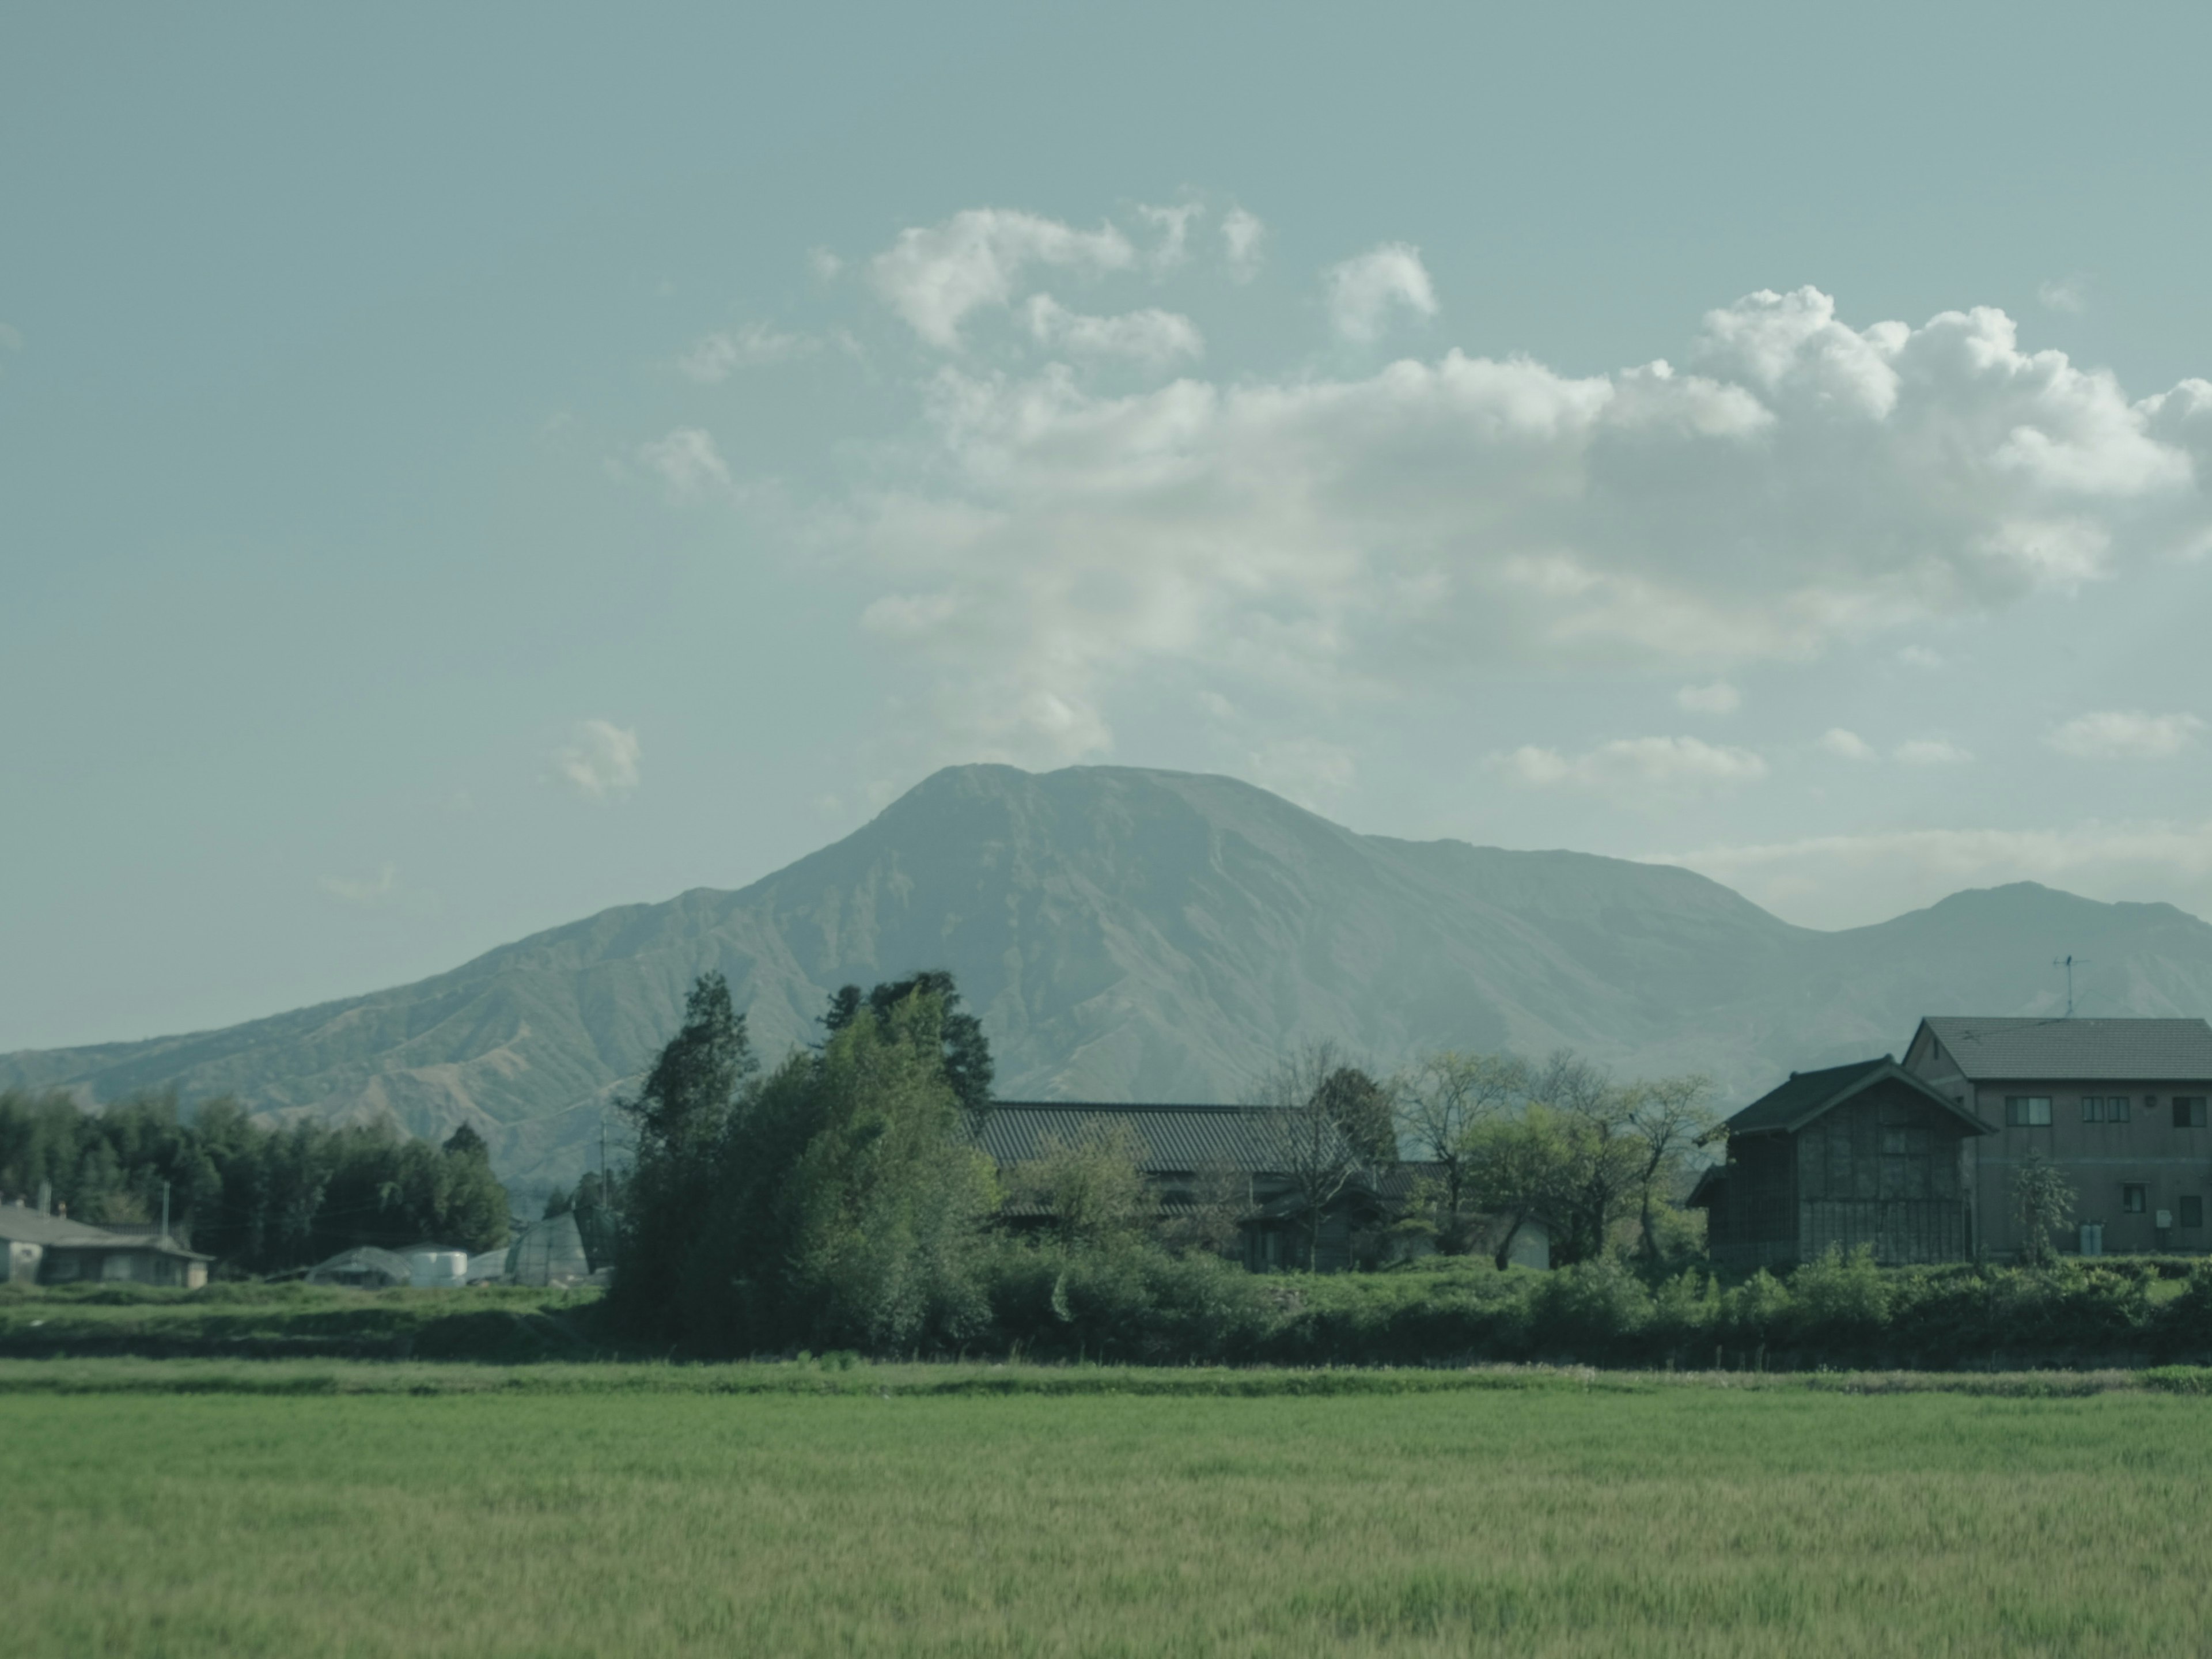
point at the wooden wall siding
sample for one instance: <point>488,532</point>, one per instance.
<point>1901,1230</point>
<point>1763,1192</point>
<point>1881,1170</point>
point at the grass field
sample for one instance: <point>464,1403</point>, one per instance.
<point>600,1513</point>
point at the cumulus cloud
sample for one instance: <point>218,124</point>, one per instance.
<point>823,265</point>
<point>1153,337</point>
<point>599,760</point>
<point>1174,225</point>
<point>1846,746</point>
<point>933,276</point>
<point>1366,294</point>
<point>1798,485</point>
<point>1243,237</point>
<point>2126,735</point>
<point>717,356</point>
<point>1718,698</point>
<point>1930,751</point>
<point>2070,296</point>
<point>686,460</point>
<point>1651,762</point>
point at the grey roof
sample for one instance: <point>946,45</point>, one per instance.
<point>1806,1094</point>
<point>21,1224</point>
<point>2084,1050</point>
<point>1170,1139</point>
<point>365,1258</point>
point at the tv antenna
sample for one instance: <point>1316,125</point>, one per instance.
<point>2067,963</point>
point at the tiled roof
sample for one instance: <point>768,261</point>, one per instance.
<point>1808,1094</point>
<point>2088,1050</point>
<point>1170,1139</point>
<point>21,1224</point>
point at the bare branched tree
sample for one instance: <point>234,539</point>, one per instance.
<point>1442,1102</point>
<point>1291,1101</point>
<point>1667,1116</point>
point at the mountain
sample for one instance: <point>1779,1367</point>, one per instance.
<point>1130,934</point>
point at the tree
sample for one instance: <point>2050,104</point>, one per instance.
<point>1293,1107</point>
<point>1520,1169</point>
<point>1211,1220</point>
<point>2043,1202</point>
<point>1091,1189</point>
<point>1667,1116</point>
<point>1363,1112</point>
<point>683,1117</point>
<point>1593,1119</point>
<point>967,1053</point>
<point>1441,1103</point>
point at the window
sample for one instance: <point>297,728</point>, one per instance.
<point>2191,1210</point>
<point>2131,1199</point>
<point>2116,1109</point>
<point>2027,1111</point>
<point>2188,1111</point>
<point>2093,1109</point>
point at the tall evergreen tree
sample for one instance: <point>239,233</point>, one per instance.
<point>966,1051</point>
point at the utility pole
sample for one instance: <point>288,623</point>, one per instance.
<point>2067,963</point>
<point>165,1212</point>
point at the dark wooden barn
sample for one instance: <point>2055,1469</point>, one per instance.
<point>1860,1154</point>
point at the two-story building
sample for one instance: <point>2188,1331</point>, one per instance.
<point>2118,1104</point>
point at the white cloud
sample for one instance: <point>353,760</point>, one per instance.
<point>600,759</point>
<point>1848,880</point>
<point>1153,337</point>
<point>2070,296</point>
<point>1846,746</point>
<point>1243,237</point>
<point>1718,698</point>
<point>717,356</point>
<point>823,265</point>
<point>1174,225</point>
<point>376,892</point>
<point>1367,293</point>
<point>686,460</point>
<point>2121,734</point>
<point>1309,538</point>
<point>934,276</point>
<point>1919,656</point>
<point>1930,751</point>
<point>1628,762</point>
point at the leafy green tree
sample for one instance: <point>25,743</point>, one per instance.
<point>967,1063</point>
<point>1442,1102</point>
<point>1521,1170</point>
<point>1091,1189</point>
<point>2043,1203</point>
<point>682,1118</point>
<point>1363,1112</point>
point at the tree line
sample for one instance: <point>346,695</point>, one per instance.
<point>841,1198</point>
<point>259,1198</point>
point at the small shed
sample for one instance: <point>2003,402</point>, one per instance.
<point>364,1267</point>
<point>1860,1154</point>
<point>547,1252</point>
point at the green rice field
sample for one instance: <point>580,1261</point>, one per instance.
<point>155,1509</point>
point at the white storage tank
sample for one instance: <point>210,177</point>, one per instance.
<point>438,1270</point>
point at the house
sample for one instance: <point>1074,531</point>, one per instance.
<point>1238,1163</point>
<point>53,1249</point>
<point>1235,1167</point>
<point>2117,1105</point>
<point>1868,1153</point>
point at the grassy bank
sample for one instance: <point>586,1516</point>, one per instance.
<point>1557,1518</point>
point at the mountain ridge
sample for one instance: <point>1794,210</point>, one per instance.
<point>1128,933</point>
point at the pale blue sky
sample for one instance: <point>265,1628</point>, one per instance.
<point>445,488</point>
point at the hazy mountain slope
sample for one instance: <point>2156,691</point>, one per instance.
<point>1136,934</point>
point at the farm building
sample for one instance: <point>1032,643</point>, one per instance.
<point>53,1249</point>
<point>547,1252</point>
<point>1861,1154</point>
<point>1234,1170</point>
<point>2119,1105</point>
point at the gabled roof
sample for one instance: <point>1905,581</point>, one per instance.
<point>2084,1050</point>
<point>1808,1094</point>
<point>1170,1139</point>
<point>21,1224</point>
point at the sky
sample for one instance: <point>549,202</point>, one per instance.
<point>464,468</point>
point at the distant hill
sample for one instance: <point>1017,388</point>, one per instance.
<point>1130,934</point>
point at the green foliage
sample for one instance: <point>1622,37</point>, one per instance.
<point>1364,1113</point>
<point>1093,1193</point>
<point>2043,1201</point>
<point>966,1053</point>
<point>259,1200</point>
<point>837,1202</point>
